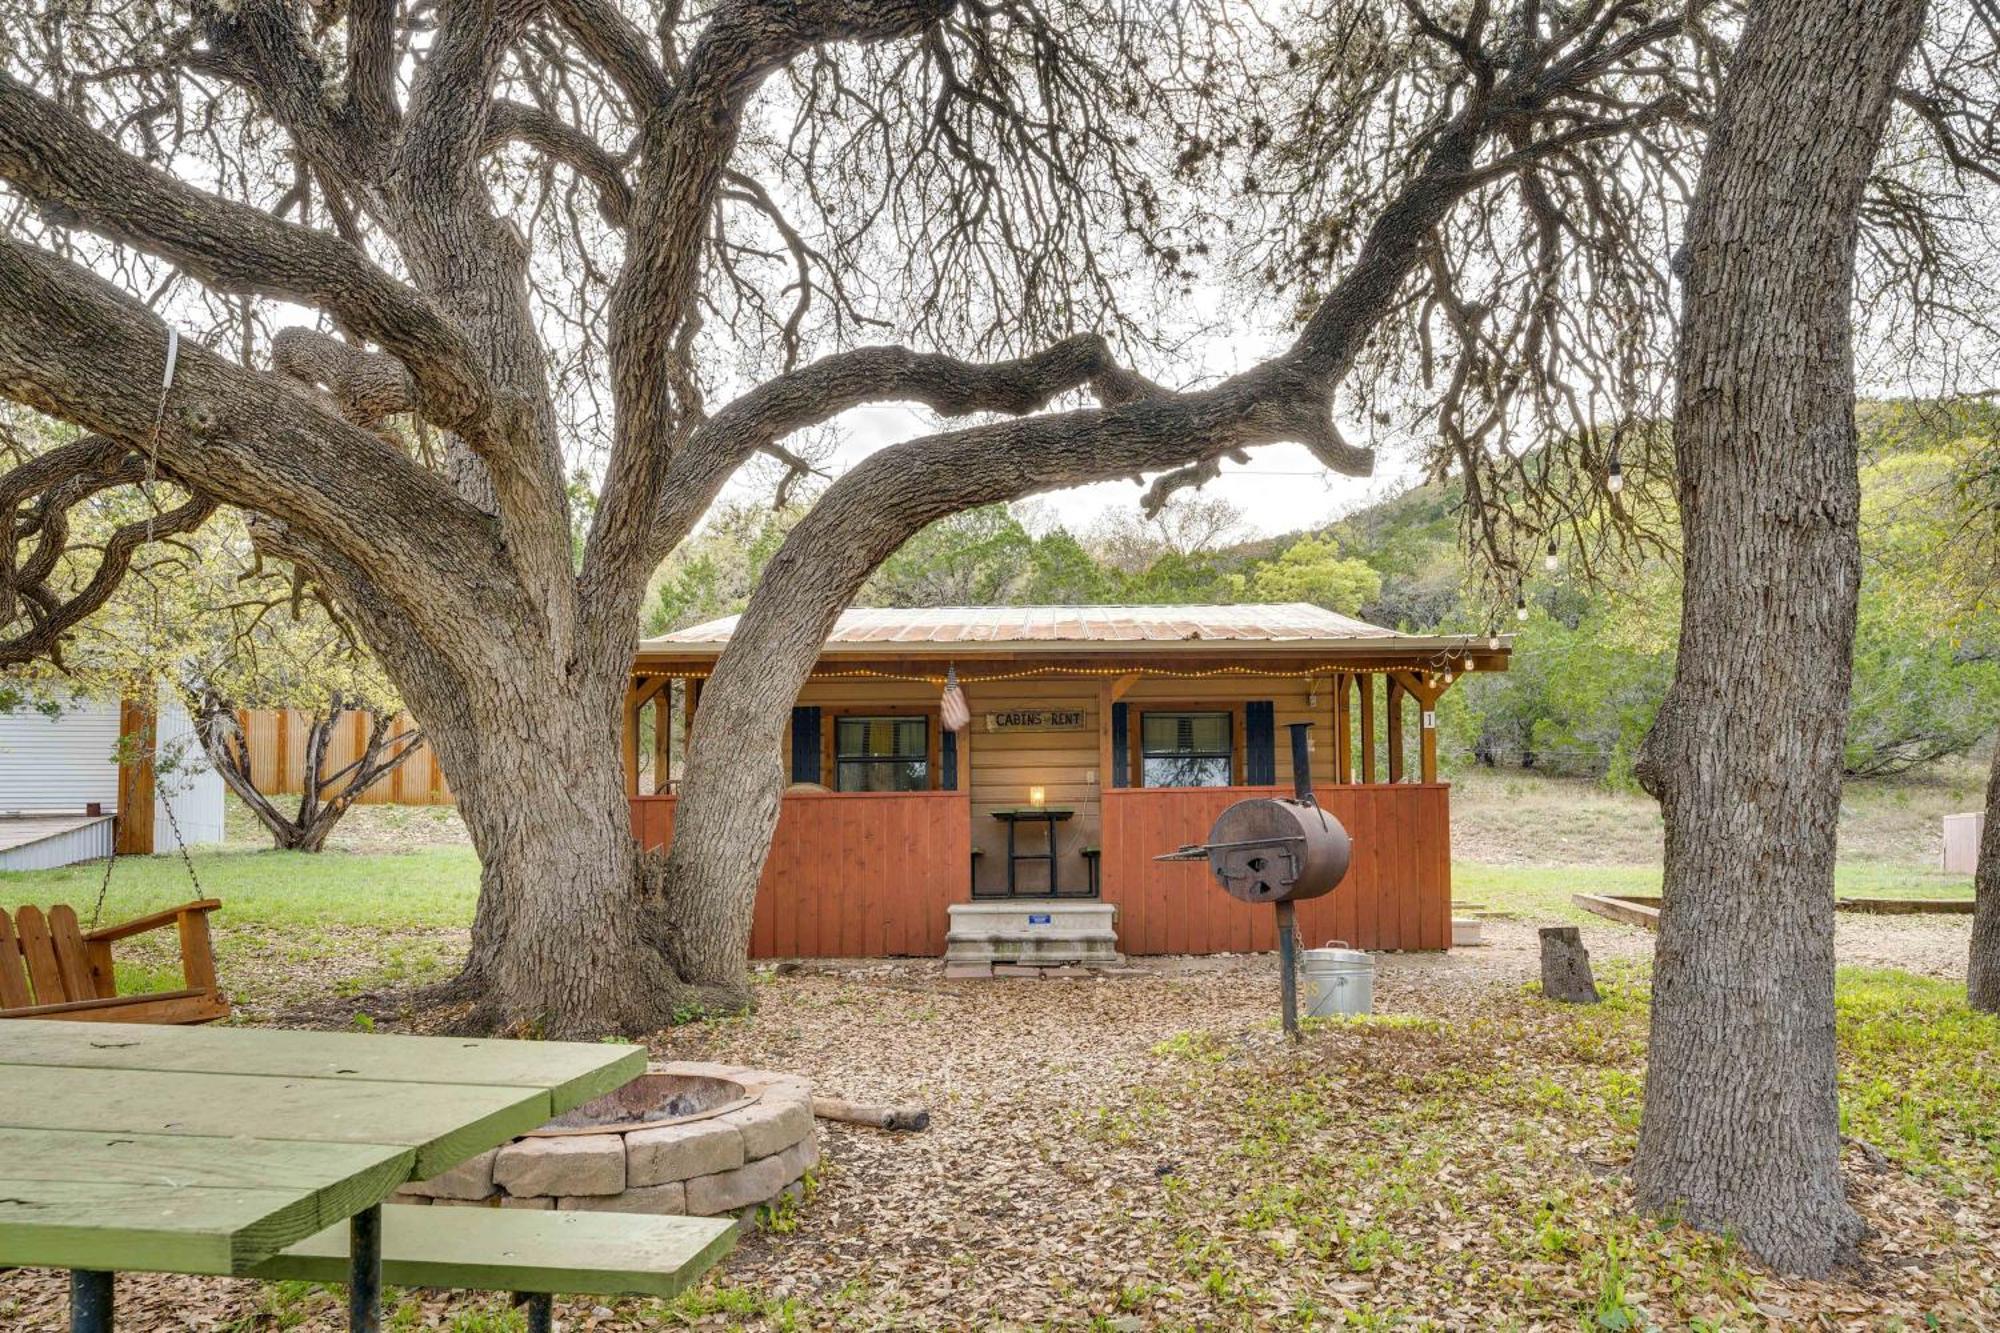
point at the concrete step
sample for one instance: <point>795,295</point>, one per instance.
<point>1043,933</point>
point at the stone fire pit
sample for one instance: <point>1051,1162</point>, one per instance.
<point>690,1138</point>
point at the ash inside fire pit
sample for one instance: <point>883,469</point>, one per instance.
<point>650,1100</point>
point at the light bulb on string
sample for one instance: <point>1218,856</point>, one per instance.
<point>1614,476</point>
<point>1552,559</point>
<point>1521,606</point>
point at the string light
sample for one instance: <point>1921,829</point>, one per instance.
<point>1521,606</point>
<point>1551,560</point>
<point>1614,476</point>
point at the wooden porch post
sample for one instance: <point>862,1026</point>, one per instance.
<point>663,735</point>
<point>1367,682</point>
<point>631,739</point>
<point>1426,691</point>
<point>1395,699</point>
<point>1343,728</point>
<point>132,834</point>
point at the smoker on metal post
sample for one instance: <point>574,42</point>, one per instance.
<point>1278,850</point>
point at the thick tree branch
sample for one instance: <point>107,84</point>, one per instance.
<point>75,347</point>
<point>554,138</point>
<point>618,48</point>
<point>36,609</point>
<point>81,178</point>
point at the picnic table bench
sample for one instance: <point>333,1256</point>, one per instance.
<point>260,1153</point>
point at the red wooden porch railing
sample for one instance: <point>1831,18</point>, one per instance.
<point>1397,893</point>
<point>850,874</point>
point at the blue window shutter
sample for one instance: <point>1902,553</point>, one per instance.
<point>805,745</point>
<point>1260,757</point>
<point>1121,745</point>
<point>948,761</point>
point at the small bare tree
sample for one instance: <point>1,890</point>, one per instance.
<point>323,796</point>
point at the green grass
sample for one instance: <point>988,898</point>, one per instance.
<point>1544,891</point>
<point>430,887</point>
<point>1478,1165</point>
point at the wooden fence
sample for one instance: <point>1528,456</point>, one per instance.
<point>850,874</point>
<point>1397,893</point>
<point>277,740</point>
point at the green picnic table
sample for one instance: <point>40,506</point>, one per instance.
<point>210,1150</point>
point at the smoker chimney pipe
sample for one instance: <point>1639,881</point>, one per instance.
<point>1302,773</point>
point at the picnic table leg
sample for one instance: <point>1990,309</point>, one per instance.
<point>540,1308</point>
<point>89,1301</point>
<point>364,1283</point>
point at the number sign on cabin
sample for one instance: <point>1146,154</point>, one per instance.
<point>1036,719</point>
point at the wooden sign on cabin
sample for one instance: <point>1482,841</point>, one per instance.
<point>1036,719</point>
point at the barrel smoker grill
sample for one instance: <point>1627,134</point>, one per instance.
<point>1277,850</point>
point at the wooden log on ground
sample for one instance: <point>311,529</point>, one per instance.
<point>910,1118</point>
<point>1566,967</point>
<point>1906,906</point>
<point>1632,910</point>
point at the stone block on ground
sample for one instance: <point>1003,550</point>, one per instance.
<point>668,1198</point>
<point>968,971</point>
<point>678,1152</point>
<point>771,1126</point>
<point>747,1186</point>
<point>577,1164</point>
<point>534,1204</point>
<point>470,1179</point>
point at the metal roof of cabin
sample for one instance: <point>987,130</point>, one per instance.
<point>1297,624</point>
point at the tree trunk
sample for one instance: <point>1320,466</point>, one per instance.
<point>1741,1128</point>
<point>1982,975</point>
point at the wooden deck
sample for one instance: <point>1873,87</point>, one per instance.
<point>871,875</point>
<point>20,830</point>
<point>1397,893</point>
<point>45,841</point>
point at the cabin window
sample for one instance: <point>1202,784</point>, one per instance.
<point>1185,749</point>
<point>882,754</point>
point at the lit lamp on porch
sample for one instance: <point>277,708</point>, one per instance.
<point>1036,797</point>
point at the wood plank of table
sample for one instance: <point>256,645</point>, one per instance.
<point>195,1161</point>
<point>492,1249</point>
<point>444,1123</point>
<point>572,1072</point>
<point>178,1203</point>
<point>121,1227</point>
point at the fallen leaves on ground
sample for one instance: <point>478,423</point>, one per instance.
<point>1146,1151</point>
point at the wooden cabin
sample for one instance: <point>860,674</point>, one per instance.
<point>1114,733</point>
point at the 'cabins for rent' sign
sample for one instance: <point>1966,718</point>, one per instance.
<point>1036,719</point>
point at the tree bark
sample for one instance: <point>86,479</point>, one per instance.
<point>1740,1130</point>
<point>1982,974</point>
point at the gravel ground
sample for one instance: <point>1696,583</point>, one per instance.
<point>1030,1203</point>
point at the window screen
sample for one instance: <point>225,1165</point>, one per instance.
<point>882,754</point>
<point>1185,749</point>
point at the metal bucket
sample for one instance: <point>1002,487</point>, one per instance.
<point>1338,980</point>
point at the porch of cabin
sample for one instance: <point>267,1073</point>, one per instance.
<point>891,819</point>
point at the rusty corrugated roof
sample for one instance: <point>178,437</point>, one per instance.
<point>1289,622</point>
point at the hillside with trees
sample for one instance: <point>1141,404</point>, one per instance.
<point>1594,655</point>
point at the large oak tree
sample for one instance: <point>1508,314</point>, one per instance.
<point>1445,190</point>
<point>516,224</point>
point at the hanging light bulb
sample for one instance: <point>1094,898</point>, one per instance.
<point>1614,476</point>
<point>1551,560</point>
<point>1520,606</point>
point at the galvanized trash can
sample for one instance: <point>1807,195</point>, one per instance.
<point>1338,980</point>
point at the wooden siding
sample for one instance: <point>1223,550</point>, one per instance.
<point>277,741</point>
<point>1397,894</point>
<point>856,875</point>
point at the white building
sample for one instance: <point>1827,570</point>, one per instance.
<point>54,769</point>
